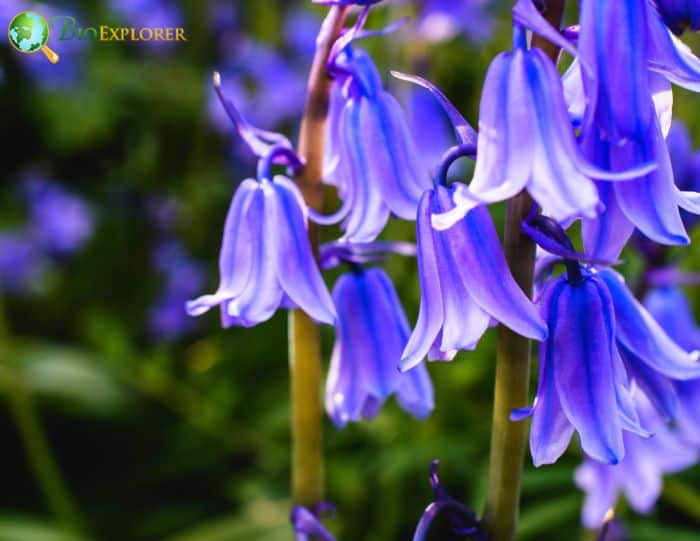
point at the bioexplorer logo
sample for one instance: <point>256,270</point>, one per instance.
<point>28,33</point>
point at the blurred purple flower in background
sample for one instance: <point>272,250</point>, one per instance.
<point>372,331</point>
<point>686,165</point>
<point>59,221</point>
<point>182,278</point>
<point>640,474</point>
<point>153,13</point>
<point>441,20</point>
<point>22,265</point>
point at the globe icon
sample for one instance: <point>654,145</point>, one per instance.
<point>28,33</point>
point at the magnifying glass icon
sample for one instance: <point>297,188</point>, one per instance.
<point>28,33</point>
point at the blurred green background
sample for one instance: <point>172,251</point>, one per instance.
<point>113,430</point>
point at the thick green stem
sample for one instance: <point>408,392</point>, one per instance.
<point>508,439</point>
<point>304,334</point>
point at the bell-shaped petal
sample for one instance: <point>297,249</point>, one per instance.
<point>526,140</point>
<point>371,333</point>
<point>372,157</point>
<point>671,57</point>
<point>639,333</point>
<point>619,99</point>
<point>551,431</point>
<point>266,260</point>
<point>581,322</point>
<point>465,282</point>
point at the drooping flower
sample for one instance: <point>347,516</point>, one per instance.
<point>266,259</point>
<point>372,157</point>
<point>526,139</point>
<point>639,475</point>
<point>465,282</point>
<point>463,521</point>
<point>371,332</point>
<point>599,335</point>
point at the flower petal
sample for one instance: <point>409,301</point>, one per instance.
<point>477,254</point>
<point>296,267</point>
<point>582,329</point>
<point>431,315</point>
<point>639,333</point>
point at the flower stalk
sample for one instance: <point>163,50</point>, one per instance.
<point>508,439</point>
<point>304,334</point>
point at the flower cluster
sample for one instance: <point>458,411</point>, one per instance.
<point>591,146</point>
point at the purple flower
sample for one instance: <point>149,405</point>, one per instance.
<point>373,159</point>
<point>672,310</point>
<point>59,221</point>
<point>680,15</point>
<point>639,475</point>
<point>526,141</point>
<point>22,264</point>
<point>465,282</point>
<point>686,165</point>
<point>266,260</point>
<point>594,322</point>
<point>183,277</point>
<point>371,333</point>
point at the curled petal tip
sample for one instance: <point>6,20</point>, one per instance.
<point>520,414</point>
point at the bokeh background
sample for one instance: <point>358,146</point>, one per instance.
<point>123,419</point>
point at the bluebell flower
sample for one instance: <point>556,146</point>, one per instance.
<point>640,474</point>
<point>60,222</point>
<point>266,260</point>
<point>526,139</point>
<point>371,332</point>
<point>669,305</point>
<point>680,15</point>
<point>462,520</point>
<point>376,166</point>
<point>465,283</point>
<point>594,323</point>
<point>182,278</point>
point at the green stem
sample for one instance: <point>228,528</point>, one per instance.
<point>508,439</point>
<point>682,497</point>
<point>304,334</point>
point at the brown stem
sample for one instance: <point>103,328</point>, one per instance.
<point>509,439</point>
<point>304,334</point>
